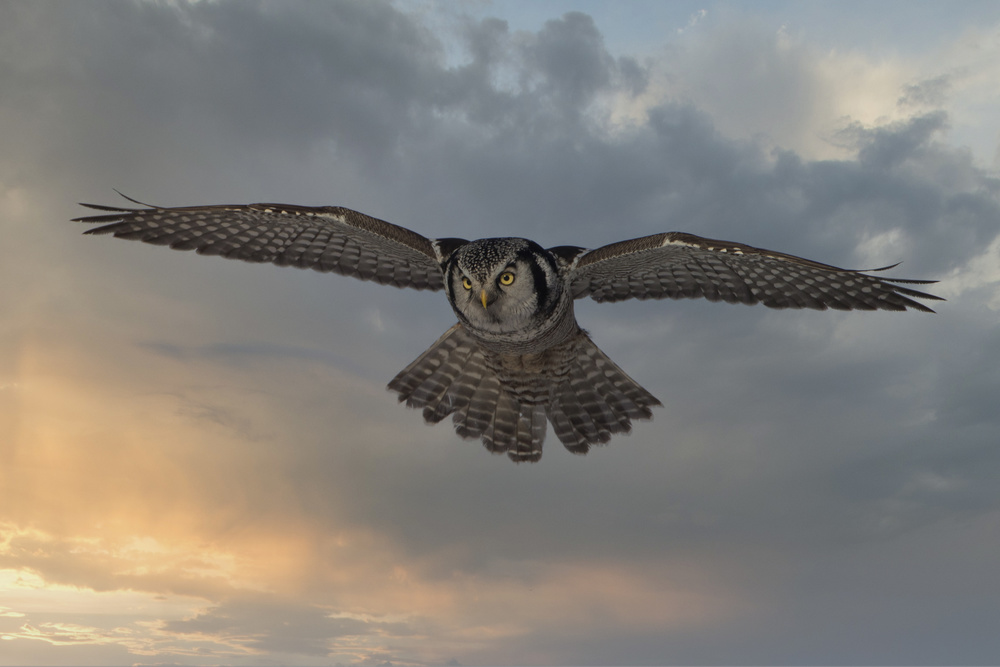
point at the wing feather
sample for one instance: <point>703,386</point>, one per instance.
<point>677,265</point>
<point>326,238</point>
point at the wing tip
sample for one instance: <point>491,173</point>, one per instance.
<point>117,210</point>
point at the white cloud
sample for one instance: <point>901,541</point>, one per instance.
<point>774,86</point>
<point>694,20</point>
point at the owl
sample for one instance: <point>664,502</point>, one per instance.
<point>517,359</point>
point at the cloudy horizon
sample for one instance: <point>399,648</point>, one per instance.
<point>200,464</point>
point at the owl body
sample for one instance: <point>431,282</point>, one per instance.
<point>528,361</point>
<point>517,360</point>
<point>505,398</point>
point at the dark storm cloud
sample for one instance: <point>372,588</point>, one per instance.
<point>253,78</point>
<point>237,74</point>
<point>786,438</point>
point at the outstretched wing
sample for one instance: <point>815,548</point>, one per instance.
<point>677,265</point>
<point>326,238</point>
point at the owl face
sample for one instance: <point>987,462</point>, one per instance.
<point>502,285</point>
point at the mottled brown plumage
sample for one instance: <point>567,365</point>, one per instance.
<point>517,357</point>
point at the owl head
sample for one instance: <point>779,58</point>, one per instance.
<point>502,285</point>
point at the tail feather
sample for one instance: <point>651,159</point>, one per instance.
<point>449,385</point>
<point>416,375</point>
<point>531,426</point>
<point>475,418</point>
<point>479,415</point>
<point>431,381</point>
<point>598,400</point>
<point>517,429</point>
<point>503,424</point>
<point>451,378</point>
<point>590,400</point>
<point>616,402</point>
<point>582,420</point>
<point>595,406</point>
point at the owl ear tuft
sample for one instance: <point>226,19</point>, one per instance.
<point>567,253</point>
<point>444,248</point>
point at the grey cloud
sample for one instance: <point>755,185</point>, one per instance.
<point>677,172</point>
<point>802,436</point>
<point>748,76</point>
<point>225,72</point>
<point>927,92</point>
<point>569,58</point>
<point>888,147</point>
<point>236,353</point>
<point>264,623</point>
<point>538,84</point>
<point>470,163</point>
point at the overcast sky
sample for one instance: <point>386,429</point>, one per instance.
<point>200,464</point>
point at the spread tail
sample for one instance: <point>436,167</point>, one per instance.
<point>451,378</point>
<point>597,399</point>
<point>589,400</point>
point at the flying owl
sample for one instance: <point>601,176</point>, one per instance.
<point>516,358</point>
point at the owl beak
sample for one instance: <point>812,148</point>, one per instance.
<point>484,299</point>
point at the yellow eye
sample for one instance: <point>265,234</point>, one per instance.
<point>466,283</point>
<point>506,278</point>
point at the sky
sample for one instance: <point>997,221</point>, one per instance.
<point>200,463</point>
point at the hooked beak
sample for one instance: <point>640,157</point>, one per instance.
<point>484,299</point>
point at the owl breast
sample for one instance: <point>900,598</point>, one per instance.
<point>530,377</point>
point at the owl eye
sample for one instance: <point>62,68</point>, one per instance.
<point>466,283</point>
<point>506,278</point>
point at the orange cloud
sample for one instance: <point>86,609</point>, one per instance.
<point>151,503</point>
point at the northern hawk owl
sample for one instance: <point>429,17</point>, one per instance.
<point>516,357</point>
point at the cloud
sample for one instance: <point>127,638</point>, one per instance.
<point>215,437</point>
<point>931,92</point>
<point>249,623</point>
<point>695,19</point>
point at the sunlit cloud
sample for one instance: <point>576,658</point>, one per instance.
<point>112,617</point>
<point>159,562</point>
<point>778,89</point>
